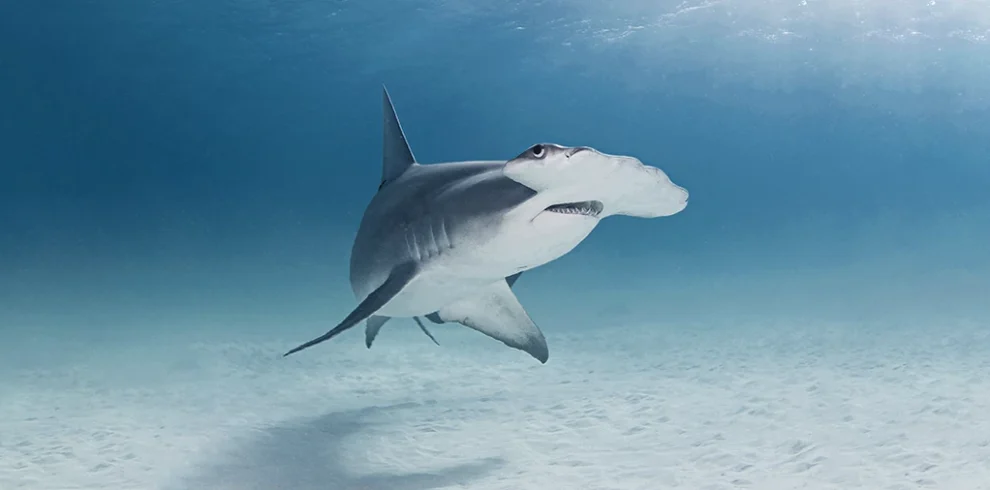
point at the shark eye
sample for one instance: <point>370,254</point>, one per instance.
<point>538,151</point>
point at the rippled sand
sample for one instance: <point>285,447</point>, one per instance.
<point>742,406</point>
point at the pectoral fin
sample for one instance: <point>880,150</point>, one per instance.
<point>498,314</point>
<point>396,281</point>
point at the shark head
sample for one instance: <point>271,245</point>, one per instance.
<point>588,183</point>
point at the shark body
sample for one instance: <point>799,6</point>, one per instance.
<point>446,241</point>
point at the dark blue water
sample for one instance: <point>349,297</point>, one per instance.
<point>164,161</point>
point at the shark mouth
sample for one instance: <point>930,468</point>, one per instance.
<point>583,208</point>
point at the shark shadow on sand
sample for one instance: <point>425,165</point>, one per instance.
<point>307,454</point>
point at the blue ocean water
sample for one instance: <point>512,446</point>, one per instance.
<point>201,167</point>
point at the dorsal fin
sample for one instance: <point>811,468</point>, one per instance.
<point>396,154</point>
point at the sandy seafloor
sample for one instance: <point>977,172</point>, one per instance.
<point>776,406</point>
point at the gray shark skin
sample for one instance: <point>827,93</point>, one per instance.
<point>446,241</point>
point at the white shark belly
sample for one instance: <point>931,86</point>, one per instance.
<point>431,291</point>
<point>449,277</point>
<point>530,243</point>
<point>452,275</point>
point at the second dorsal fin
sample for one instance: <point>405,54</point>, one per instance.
<point>396,154</point>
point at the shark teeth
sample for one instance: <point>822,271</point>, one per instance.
<point>583,208</point>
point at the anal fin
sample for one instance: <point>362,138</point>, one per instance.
<point>397,280</point>
<point>497,313</point>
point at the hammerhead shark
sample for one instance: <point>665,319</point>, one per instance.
<point>446,241</point>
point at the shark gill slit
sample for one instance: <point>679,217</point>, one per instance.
<point>418,252</point>
<point>446,237</point>
<point>411,243</point>
<point>434,248</point>
<point>409,248</point>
